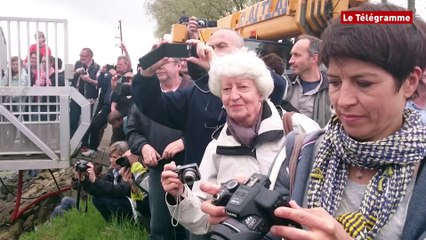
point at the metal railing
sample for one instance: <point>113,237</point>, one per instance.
<point>34,116</point>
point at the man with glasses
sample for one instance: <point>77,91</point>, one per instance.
<point>85,82</point>
<point>308,86</point>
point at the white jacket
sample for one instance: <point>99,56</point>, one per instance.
<point>225,159</point>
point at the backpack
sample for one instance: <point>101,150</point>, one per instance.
<point>294,121</point>
<point>296,158</point>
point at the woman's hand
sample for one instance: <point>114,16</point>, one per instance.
<point>216,213</point>
<point>318,223</point>
<point>170,180</point>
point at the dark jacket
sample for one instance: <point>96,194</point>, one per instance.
<point>104,83</point>
<point>279,88</point>
<point>104,186</point>
<point>193,110</point>
<point>87,90</point>
<point>142,130</point>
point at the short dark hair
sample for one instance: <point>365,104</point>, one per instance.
<point>396,48</point>
<point>274,62</point>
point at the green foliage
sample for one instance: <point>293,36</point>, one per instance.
<point>168,12</point>
<point>75,225</point>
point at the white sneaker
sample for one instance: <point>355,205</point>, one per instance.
<point>89,153</point>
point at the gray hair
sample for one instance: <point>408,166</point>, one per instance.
<point>240,64</point>
<point>120,147</point>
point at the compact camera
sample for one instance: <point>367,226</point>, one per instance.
<point>204,23</point>
<point>250,207</point>
<point>81,166</point>
<point>123,162</point>
<point>188,173</point>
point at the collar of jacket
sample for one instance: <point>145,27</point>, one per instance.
<point>271,129</point>
<point>294,79</point>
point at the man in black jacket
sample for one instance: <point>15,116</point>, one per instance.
<point>159,145</point>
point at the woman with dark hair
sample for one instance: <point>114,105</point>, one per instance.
<point>367,177</point>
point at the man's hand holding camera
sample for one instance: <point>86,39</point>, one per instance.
<point>80,71</point>
<point>192,28</point>
<point>205,53</point>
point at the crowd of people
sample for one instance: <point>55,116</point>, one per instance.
<point>361,177</point>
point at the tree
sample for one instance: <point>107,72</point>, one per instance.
<point>167,12</point>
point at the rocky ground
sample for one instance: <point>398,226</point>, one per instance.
<point>33,187</point>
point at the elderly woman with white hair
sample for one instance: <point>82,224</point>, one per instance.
<point>247,143</point>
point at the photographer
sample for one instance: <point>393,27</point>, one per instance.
<point>247,143</point>
<point>85,81</point>
<point>111,193</point>
<point>106,81</point>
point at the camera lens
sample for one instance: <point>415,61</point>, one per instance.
<point>201,23</point>
<point>189,177</point>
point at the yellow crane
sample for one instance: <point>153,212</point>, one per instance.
<point>276,19</point>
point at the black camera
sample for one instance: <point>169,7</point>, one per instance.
<point>250,207</point>
<point>123,162</point>
<point>81,166</point>
<point>188,173</point>
<point>204,23</point>
<point>171,50</point>
<point>109,67</point>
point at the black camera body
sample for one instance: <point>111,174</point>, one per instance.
<point>250,207</point>
<point>109,67</point>
<point>123,162</point>
<point>171,50</point>
<point>81,166</point>
<point>205,23</point>
<point>188,173</point>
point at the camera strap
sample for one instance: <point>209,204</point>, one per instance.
<point>77,204</point>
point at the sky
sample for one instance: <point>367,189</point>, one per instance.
<point>94,24</point>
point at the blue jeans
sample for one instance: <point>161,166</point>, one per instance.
<point>160,226</point>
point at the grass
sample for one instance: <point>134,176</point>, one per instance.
<point>75,225</point>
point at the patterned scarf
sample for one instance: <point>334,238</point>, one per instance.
<point>395,157</point>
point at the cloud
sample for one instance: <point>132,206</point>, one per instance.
<point>93,24</point>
